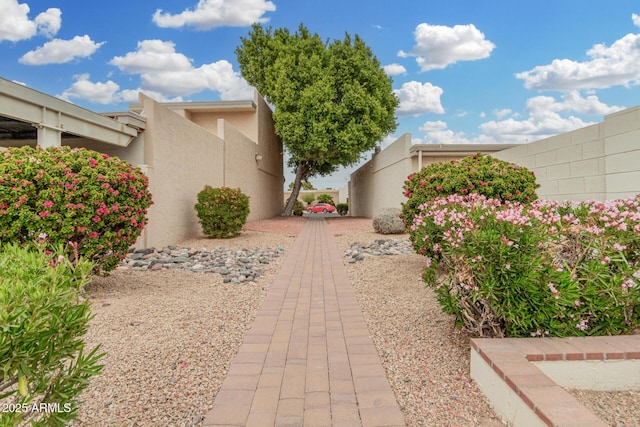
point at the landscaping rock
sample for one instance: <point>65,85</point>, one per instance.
<point>237,266</point>
<point>378,247</point>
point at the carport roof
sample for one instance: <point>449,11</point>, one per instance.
<point>23,109</point>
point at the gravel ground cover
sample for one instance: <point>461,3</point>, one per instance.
<point>170,336</point>
<point>426,359</point>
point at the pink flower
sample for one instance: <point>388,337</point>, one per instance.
<point>47,203</point>
<point>93,235</point>
<point>553,290</point>
<point>44,214</point>
<point>93,162</point>
<point>583,325</point>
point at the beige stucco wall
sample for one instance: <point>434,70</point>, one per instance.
<point>260,179</point>
<point>378,183</point>
<point>180,158</point>
<point>600,161</point>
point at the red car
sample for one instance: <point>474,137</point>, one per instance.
<point>321,207</point>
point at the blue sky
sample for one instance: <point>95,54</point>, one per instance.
<point>465,71</point>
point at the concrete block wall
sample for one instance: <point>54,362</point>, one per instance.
<point>600,162</point>
<point>622,153</point>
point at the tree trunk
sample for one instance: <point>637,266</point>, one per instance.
<point>297,184</point>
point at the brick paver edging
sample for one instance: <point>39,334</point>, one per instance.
<point>510,359</point>
<point>308,359</point>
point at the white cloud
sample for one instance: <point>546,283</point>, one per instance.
<point>615,65</point>
<point>152,55</point>
<point>15,24</point>
<point>209,14</point>
<point>394,69</point>
<point>60,51</point>
<point>417,98</point>
<point>591,105</point>
<point>546,117</point>
<point>167,73</point>
<point>502,113</point>
<point>438,133</point>
<point>107,92</point>
<point>636,20</point>
<point>99,93</point>
<point>218,76</point>
<point>48,23</point>
<point>438,46</point>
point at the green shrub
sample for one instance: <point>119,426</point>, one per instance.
<point>308,198</point>
<point>298,208</point>
<point>388,221</point>
<point>325,198</point>
<point>546,268</point>
<point>61,195</point>
<point>342,208</point>
<point>43,358</point>
<point>222,211</point>
<point>481,174</point>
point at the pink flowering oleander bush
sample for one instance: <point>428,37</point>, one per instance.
<point>59,195</point>
<point>480,174</point>
<point>538,269</point>
<point>222,211</point>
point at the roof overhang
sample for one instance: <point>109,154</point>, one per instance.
<point>205,107</point>
<point>447,150</point>
<point>34,109</point>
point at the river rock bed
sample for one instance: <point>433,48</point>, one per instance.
<point>379,247</point>
<point>235,265</point>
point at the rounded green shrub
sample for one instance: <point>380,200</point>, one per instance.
<point>43,357</point>
<point>308,198</point>
<point>59,195</point>
<point>479,174</point>
<point>298,208</point>
<point>222,211</point>
<point>342,208</point>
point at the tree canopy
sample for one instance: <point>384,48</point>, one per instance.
<point>332,100</point>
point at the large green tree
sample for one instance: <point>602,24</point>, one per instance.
<point>332,100</point>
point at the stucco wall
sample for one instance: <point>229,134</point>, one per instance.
<point>253,176</point>
<point>378,183</point>
<point>600,161</point>
<point>180,158</point>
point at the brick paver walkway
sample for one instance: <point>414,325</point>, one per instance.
<point>308,359</point>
